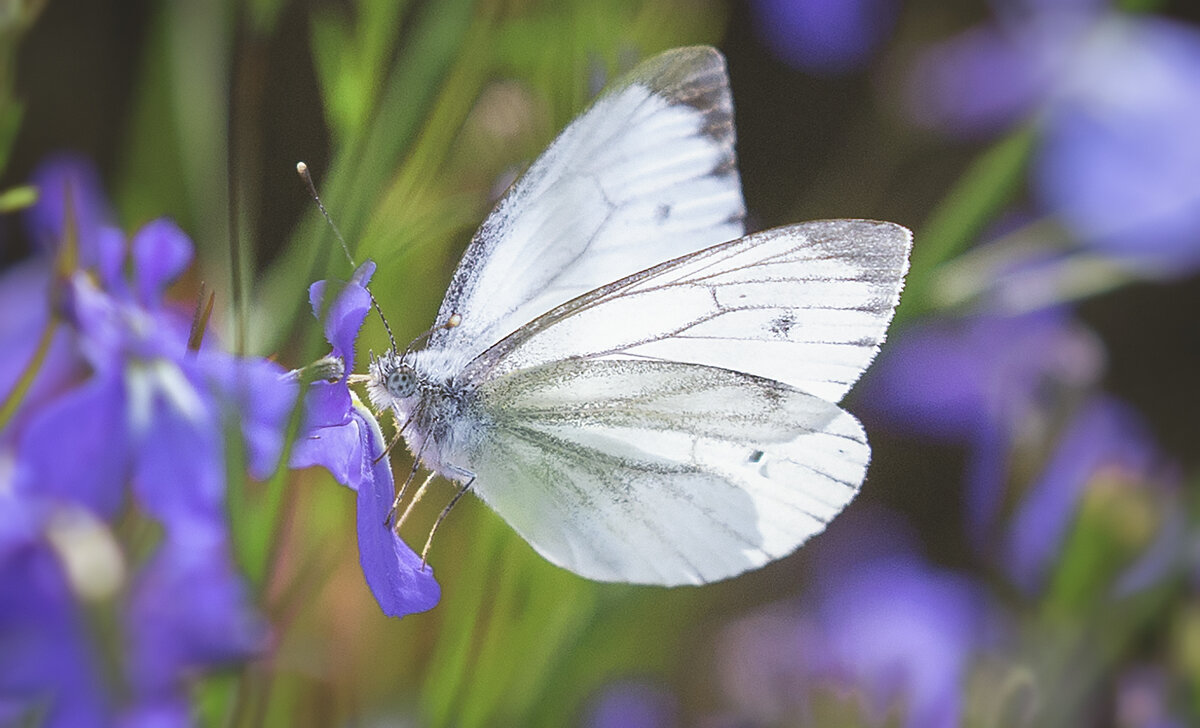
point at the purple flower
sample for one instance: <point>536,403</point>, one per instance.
<point>1105,442</point>
<point>188,611</point>
<point>25,289</point>
<point>981,382</point>
<point>886,632</point>
<point>1142,698</point>
<point>152,414</point>
<point>152,419</point>
<point>340,435</point>
<point>47,667</point>
<point>1000,386</point>
<point>630,704</point>
<point>824,36</point>
<point>70,192</point>
<point>1118,98</point>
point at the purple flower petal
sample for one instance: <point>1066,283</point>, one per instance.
<point>903,631</point>
<point>159,711</point>
<point>179,466</point>
<point>346,315</point>
<point>24,313</point>
<point>69,177</point>
<point>189,611</point>
<point>986,79</point>
<point>1120,160</point>
<point>634,705</point>
<point>884,627</point>
<point>824,36</point>
<point>1102,435</point>
<point>77,449</point>
<point>332,435</point>
<point>400,583</point>
<point>258,392</point>
<point>160,252</point>
<point>46,666</point>
<point>950,379</point>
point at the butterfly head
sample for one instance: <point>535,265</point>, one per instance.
<point>393,380</point>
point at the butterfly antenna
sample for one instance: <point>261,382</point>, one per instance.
<point>302,170</point>
<point>454,320</point>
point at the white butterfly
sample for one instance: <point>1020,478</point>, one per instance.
<point>641,400</point>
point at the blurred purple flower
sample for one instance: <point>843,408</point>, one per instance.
<point>824,36</point>
<point>1000,386</point>
<point>24,316</point>
<point>25,289</point>
<point>152,415</point>
<point>188,611</point>
<point>340,435</point>
<point>1118,97</point>
<point>888,633</point>
<point>1104,440</point>
<point>47,667</point>
<point>983,382</point>
<point>1142,699</point>
<point>631,704</point>
<point>69,191</point>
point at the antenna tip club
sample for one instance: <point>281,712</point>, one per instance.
<point>301,169</point>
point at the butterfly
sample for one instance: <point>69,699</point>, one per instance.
<point>643,393</point>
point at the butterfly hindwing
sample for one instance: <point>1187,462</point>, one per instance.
<point>662,473</point>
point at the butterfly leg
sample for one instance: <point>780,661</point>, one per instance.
<point>469,478</point>
<point>412,474</point>
<point>416,499</point>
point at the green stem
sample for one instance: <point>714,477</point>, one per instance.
<point>12,401</point>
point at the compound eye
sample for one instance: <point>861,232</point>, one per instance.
<point>402,382</point>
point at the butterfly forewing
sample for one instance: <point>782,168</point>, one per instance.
<point>662,473</point>
<point>807,305</point>
<point>646,174</point>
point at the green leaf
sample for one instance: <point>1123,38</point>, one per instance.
<point>19,198</point>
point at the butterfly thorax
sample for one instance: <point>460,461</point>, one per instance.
<point>431,403</point>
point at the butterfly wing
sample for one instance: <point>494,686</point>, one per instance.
<point>807,305</point>
<point>646,174</point>
<point>662,473</point>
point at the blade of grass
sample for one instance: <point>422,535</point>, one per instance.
<point>983,191</point>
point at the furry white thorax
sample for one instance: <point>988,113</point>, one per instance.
<point>422,389</point>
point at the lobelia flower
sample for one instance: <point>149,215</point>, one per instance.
<point>824,36</point>
<point>1104,467</point>
<point>47,666</point>
<point>1142,698</point>
<point>24,287</point>
<point>880,634</point>
<point>1117,97</point>
<point>1001,385</point>
<point>154,416</point>
<point>341,435</point>
<point>981,381</point>
<point>187,611</point>
<point>633,704</point>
